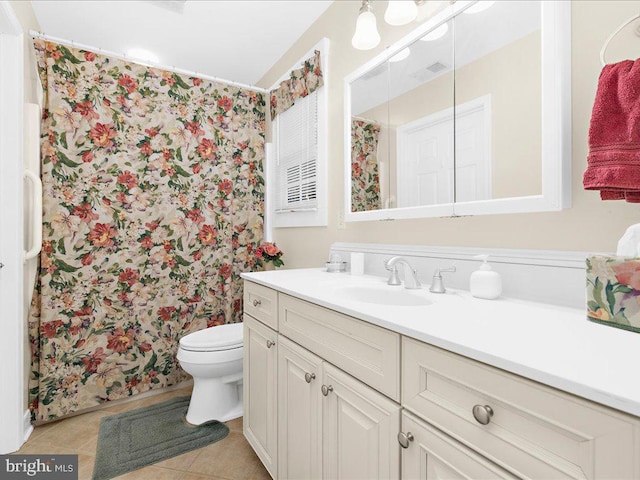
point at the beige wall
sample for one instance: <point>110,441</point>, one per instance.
<point>589,225</point>
<point>511,75</point>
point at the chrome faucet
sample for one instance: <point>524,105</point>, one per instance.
<point>410,275</point>
<point>437,285</point>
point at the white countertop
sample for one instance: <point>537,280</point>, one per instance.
<point>553,345</point>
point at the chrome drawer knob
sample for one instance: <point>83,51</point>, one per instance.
<point>326,389</point>
<point>404,439</point>
<point>482,414</point>
<point>257,303</point>
<point>309,376</point>
<point>270,343</point>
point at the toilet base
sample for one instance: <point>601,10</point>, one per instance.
<point>214,399</point>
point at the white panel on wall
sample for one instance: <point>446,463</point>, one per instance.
<point>554,277</point>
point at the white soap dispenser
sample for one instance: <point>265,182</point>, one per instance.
<point>484,282</point>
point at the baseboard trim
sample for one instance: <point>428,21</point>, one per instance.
<point>27,427</point>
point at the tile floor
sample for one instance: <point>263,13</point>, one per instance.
<point>229,459</point>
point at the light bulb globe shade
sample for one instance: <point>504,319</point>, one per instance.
<point>480,6</point>
<point>436,33</point>
<point>366,35</point>
<point>400,12</point>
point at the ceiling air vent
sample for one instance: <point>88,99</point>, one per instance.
<point>436,67</point>
<point>427,73</point>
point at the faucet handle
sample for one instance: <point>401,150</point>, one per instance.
<point>393,277</point>
<point>437,285</point>
<point>440,271</point>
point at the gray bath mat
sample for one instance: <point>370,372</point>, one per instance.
<point>134,439</point>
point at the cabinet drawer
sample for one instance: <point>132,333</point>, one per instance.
<point>535,431</point>
<point>261,303</point>
<point>368,352</point>
<point>434,455</point>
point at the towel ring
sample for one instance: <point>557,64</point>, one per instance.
<point>606,43</point>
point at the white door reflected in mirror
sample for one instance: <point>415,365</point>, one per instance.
<point>426,173</point>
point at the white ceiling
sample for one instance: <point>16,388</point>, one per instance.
<point>235,40</point>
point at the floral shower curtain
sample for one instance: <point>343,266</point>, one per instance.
<point>153,206</point>
<point>365,179</point>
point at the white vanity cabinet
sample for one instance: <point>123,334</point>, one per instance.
<point>327,395</point>
<point>260,369</point>
<point>329,424</point>
<point>305,417</point>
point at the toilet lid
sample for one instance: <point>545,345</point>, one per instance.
<point>222,337</point>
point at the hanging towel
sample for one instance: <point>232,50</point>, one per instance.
<point>613,163</point>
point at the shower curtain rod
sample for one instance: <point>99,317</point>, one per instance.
<point>124,56</point>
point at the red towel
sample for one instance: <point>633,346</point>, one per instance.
<point>613,163</point>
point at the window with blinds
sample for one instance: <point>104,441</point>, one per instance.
<point>296,133</point>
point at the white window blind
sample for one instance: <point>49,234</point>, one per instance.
<point>297,156</point>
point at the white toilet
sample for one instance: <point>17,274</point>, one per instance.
<point>213,357</point>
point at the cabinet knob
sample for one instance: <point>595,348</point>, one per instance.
<point>326,389</point>
<point>404,439</point>
<point>257,303</point>
<point>309,376</point>
<point>482,414</point>
<point>270,343</point>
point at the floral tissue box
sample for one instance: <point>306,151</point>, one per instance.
<point>613,291</point>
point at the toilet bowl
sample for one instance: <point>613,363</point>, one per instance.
<point>213,357</point>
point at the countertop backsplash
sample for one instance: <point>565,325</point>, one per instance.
<point>552,277</point>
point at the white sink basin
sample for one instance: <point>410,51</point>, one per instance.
<point>397,296</point>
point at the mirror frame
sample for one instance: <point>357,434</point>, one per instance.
<point>556,124</point>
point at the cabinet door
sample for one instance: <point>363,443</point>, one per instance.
<point>433,455</point>
<point>299,412</point>
<point>359,430</point>
<point>260,390</point>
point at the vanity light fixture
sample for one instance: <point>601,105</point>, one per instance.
<point>401,55</point>
<point>480,6</point>
<point>400,12</point>
<point>366,35</point>
<point>436,33</point>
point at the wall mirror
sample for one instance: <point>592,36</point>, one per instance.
<point>467,115</point>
